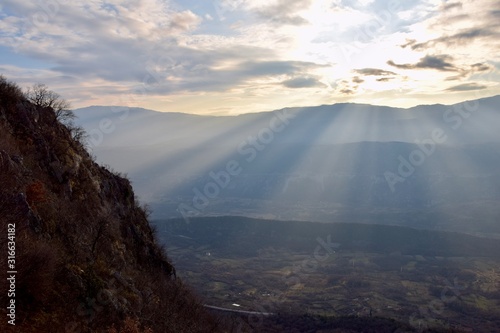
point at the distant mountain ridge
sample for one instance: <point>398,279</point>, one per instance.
<point>319,163</point>
<point>363,123</point>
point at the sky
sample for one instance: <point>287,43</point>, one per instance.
<point>224,57</point>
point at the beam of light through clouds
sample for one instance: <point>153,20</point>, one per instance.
<point>229,57</point>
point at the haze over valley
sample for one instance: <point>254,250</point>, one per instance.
<point>407,201</point>
<point>432,166</point>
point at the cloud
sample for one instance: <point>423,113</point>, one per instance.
<point>409,42</point>
<point>385,79</point>
<point>481,67</point>
<point>469,70</point>
<point>303,82</point>
<point>184,21</point>
<point>494,14</point>
<point>357,79</point>
<point>210,78</point>
<point>284,12</point>
<point>451,5</point>
<point>463,37</point>
<point>438,62</point>
<point>467,87</point>
<point>373,71</point>
<point>259,68</point>
<point>345,87</point>
<point>459,24</point>
<point>230,49</point>
<point>143,44</point>
<point>347,91</point>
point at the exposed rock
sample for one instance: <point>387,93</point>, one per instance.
<point>82,239</point>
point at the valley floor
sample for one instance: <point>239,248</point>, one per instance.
<point>421,290</point>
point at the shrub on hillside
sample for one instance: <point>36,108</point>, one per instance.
<point>10,93</point>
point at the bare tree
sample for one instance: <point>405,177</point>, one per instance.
<point>77,132</point>
<point>40,95</point>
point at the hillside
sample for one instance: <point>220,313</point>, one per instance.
<point>82,256</point>
<point>343,163</point>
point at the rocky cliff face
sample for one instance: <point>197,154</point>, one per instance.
<point>84,256</point>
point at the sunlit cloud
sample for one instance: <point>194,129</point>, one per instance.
<point>165,54</point>
<point>373,71</point>
<point>437,62</point>
<point>467,87</point>
<point>303,82</point>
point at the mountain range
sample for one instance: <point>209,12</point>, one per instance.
<point>430,166</point>
<point>83,257</point>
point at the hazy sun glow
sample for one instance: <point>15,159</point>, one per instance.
<point>238,56</point>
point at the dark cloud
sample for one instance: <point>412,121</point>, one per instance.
<point>373,71</point>
<point>467,87</point>
<point>450,19</point>
<point>164,69</point>
<point>107,42</point>
<point>259,68</point>
<point>495,14</point>
<point>347,91</point>
<point>345,87</point>
<point>401,66</point>
<point>458,17</point>
<point>483,25</point>
<point>357,79</point>
<point>207,78</point>
<point>149,57</point>
<point>481,67</point>
<point>455,77</point>
<point>463,37</point>
<point>409,42</point>
<point>438,62</point>
<point>303,82</point>
<point>132,55</point>
<point>472,69</point>
<point>466,34</point>
<point>384,79</point>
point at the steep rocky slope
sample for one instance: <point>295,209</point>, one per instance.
<point>86,259</point>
